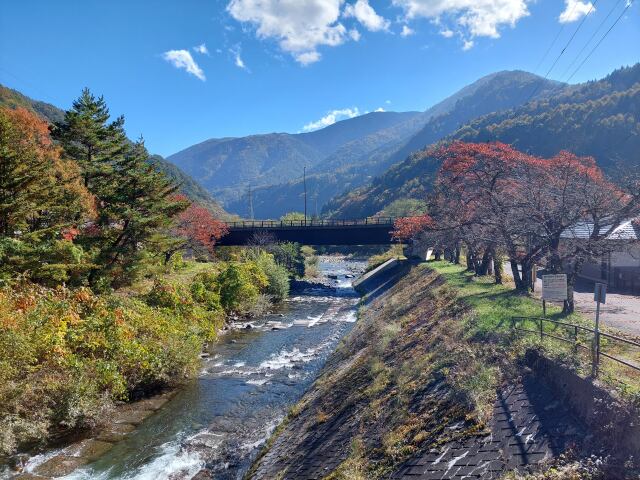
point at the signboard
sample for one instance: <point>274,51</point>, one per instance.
<point>600,293</point>
<point>554,288</point>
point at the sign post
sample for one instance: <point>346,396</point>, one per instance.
<point>554,289</point>
<point>599,296</point>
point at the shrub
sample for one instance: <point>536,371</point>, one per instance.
<point>277,276</point>
<point>68,354</point>
<point>240,285</point>
<point>205,290</point>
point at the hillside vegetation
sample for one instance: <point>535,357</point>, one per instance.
<point>97,304</point>
<point>597,118</point>
<point>13,99</point>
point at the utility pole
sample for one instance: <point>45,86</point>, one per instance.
<point>316,200</point>
<point>304,181</point>
<point>250,204</point>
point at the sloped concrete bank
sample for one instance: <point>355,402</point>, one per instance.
<point>415,392</point>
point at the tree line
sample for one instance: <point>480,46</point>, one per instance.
<point>502,205</point>
<point>80,204</point>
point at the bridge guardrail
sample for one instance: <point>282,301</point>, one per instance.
<point>373,221</point>
<point>594,346</point>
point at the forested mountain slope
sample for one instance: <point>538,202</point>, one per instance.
<point>14,99</point>
<point>227,167</point>
<point>598,118</point>
<point>357,162</point>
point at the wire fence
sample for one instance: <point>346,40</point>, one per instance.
<point>581,338</point>
<point>373,221</point>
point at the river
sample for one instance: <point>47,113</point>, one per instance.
<point>248,382</point>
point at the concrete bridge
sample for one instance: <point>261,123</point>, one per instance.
<point>370,231</point>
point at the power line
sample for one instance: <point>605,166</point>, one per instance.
<point>563,50</point>
<point>591,38</point>
<point>601,39</point>
<point>554,40</point>
<point>571,39</point>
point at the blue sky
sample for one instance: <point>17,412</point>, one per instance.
<point>287,65</point>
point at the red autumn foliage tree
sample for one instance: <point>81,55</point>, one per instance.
<point>197,230</point>
<point>408,227</point>
<point>497,200</point>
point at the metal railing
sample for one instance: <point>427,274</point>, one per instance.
<point>594,346</point>
<point>373,221</point>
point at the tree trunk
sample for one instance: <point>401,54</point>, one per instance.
<point>569,305</point>
<point>437,254</point>
<point>516,275</point>
<point>498,270</point>
<point>485,264</point>
<point>469,260</point>
<point>457,255</point>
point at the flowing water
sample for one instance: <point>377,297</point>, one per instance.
<point>246,385</point>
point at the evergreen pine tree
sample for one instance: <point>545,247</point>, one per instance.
<point>144,205</point>
<point>92,141</point>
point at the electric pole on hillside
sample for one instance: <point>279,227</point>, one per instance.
<point>250,204</point>
<point>304,182</point>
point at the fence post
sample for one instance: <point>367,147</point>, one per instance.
<point>541,333</point>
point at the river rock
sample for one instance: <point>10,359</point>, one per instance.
<point>60,465</point>
<point>89,449</point>
<point>115,432</point>
<point>132,416</point>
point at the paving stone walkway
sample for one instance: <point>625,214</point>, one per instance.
<point>529,425</point>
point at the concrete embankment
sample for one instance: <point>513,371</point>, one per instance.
<point>415,392</point>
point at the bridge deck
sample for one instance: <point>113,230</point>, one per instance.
<point>370,231</point>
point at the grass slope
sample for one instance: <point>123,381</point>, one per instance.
<point>427,354</point>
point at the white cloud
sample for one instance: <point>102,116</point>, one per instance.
<point>467,45</point>
<point>575,10</point>
<point>366,15</point>
<point>235,51</point>
<point>388,102</point>
<point>202,48</point>
<point>446,33</point>
<point>379,109</point>
<point>474,18</point>
<point>300,27</point>
<point>307,58</point>
<point>406,31</point>
<point>183,59</point>
<point>332,117</point>
<point>354,34</point>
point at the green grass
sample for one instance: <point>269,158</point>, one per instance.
<point>493,306</point>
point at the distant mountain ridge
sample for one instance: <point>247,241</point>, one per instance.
<point>13,99</point>
<point>227,167</point>
<point>598,118</point>
<point>357,162</point>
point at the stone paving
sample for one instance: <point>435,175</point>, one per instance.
<point>529,425</point>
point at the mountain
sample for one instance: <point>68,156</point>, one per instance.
<point>13,99</point>
<point>357,162</point>
<point>228,166</point>
<point>597,118</point>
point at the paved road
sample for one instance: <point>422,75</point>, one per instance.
<point>621,312</point>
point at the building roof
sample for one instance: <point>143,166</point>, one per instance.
<point>628,230</point>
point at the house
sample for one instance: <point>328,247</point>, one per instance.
<point>620,268</point>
